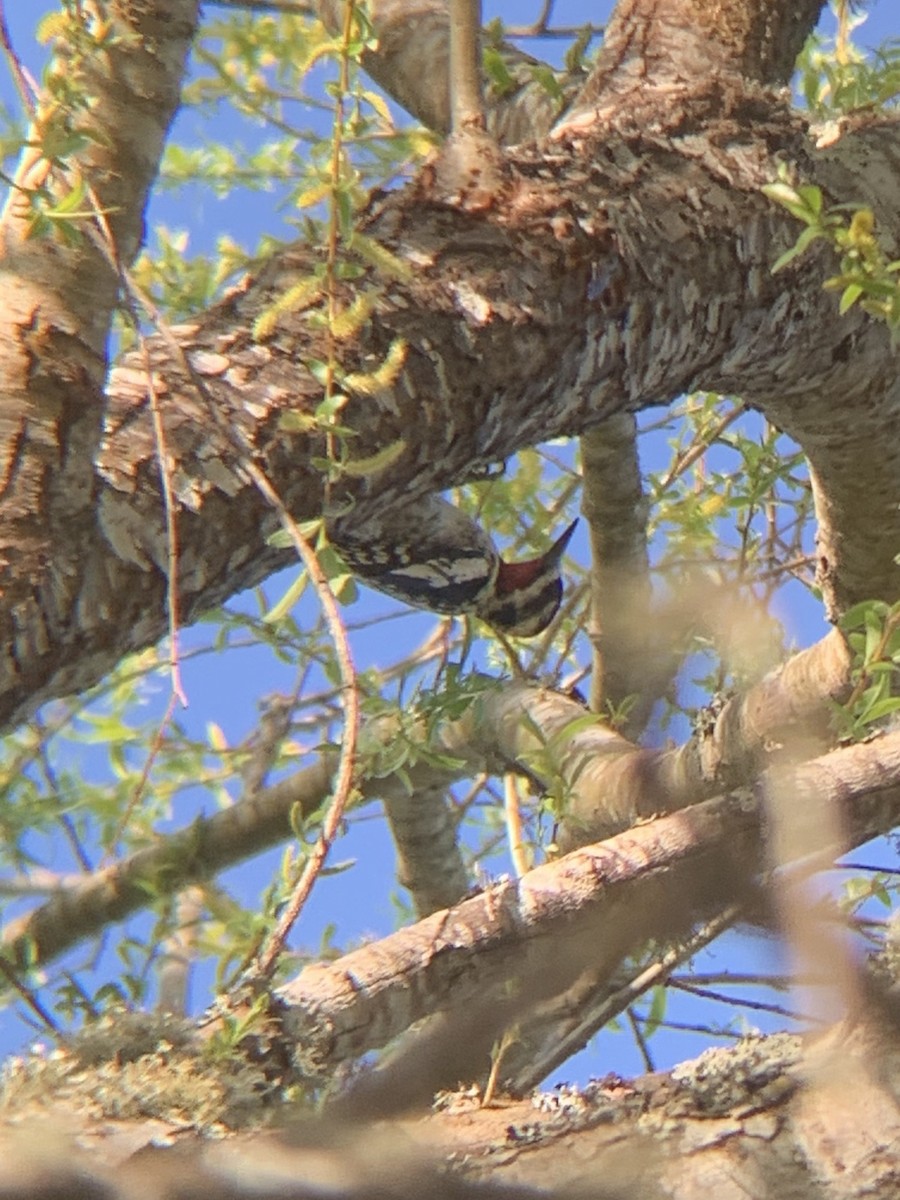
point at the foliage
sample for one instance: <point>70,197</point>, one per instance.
<point>873,631</point>
<point>865,275</point>
<point>836,76</point>
<point>835,80</point>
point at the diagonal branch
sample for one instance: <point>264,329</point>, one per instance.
<point>501,337</point>
<point>610,785</point>
<point>565,1025</point>
<point>596,904</point>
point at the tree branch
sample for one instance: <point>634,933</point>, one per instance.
<point>123,78</point>
<point>429,864</point>
<point>476,285</point>
<point>595,905</point>
<point>651,47</point>
<point>412,32</point>
<point>626,647</point>
<point>610,784</point>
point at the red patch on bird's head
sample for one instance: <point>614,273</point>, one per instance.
<point>514,576</point>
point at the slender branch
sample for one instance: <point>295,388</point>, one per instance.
<point>629,655</point>
<point>178,954</point>
<point>607,790</point>
<point>512,813</point>
<point>566,1024</point>
<point>344,781</point>
<point>424,827</point>
<point>466,110</point>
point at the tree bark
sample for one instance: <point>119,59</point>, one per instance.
<point>626,260</point>
<point>509,339</point>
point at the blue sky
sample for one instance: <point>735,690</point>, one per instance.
<point>226,689</point>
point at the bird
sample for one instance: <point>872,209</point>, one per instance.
<point>526,596</point>
<point>433,556</point>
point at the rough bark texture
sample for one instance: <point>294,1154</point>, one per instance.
<point>57,310</point>
<point>597,285</point>
<point>765,1118</point>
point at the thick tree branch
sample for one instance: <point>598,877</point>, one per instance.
<point>653,47</point>
<point>610,784</point>
<point>734,1122</point>
<point>413,32</point>
<point>582,294</point>
<point>125,82</point>
<point>59,297</point>
<point>595,905</point>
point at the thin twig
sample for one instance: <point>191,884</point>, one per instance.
<point>649,1065</point>
<point>25,85</point>
<point>700,445</point>
<point>109,849</point>
<point>29,997</point>
<point>704,993</point>
<point>347,673</point>
<point>165,479</point>
<point>512,813</point>
<point>55,789</point>
<point>466,108</point>
<point>343,784</point>
<point>610,1004</point>
<point>107,243</point>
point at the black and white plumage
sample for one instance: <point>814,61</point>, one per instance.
<point>434,556</point>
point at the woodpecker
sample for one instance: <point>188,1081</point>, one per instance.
<point>526,595</point>
<point>433,556</point>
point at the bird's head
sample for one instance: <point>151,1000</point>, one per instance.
<point>526,595</point>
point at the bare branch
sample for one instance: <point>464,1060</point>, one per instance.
<point>563,1026</point>
<point>466,110</point>
<point>629,659</point>
<point>596,904</point>
<point>610,784</point>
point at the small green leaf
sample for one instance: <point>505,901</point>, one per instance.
<point>358,468</point>
<point>849,296</point>
<point>497,71</point>
<point>291,597</point>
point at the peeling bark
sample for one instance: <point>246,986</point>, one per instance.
<point>625,260</point>
<point>601,284</point>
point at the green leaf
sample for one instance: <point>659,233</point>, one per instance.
<point>497,71</point>
<point>359,468</point>
<point>290,598</point>
<point>849,296</point>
